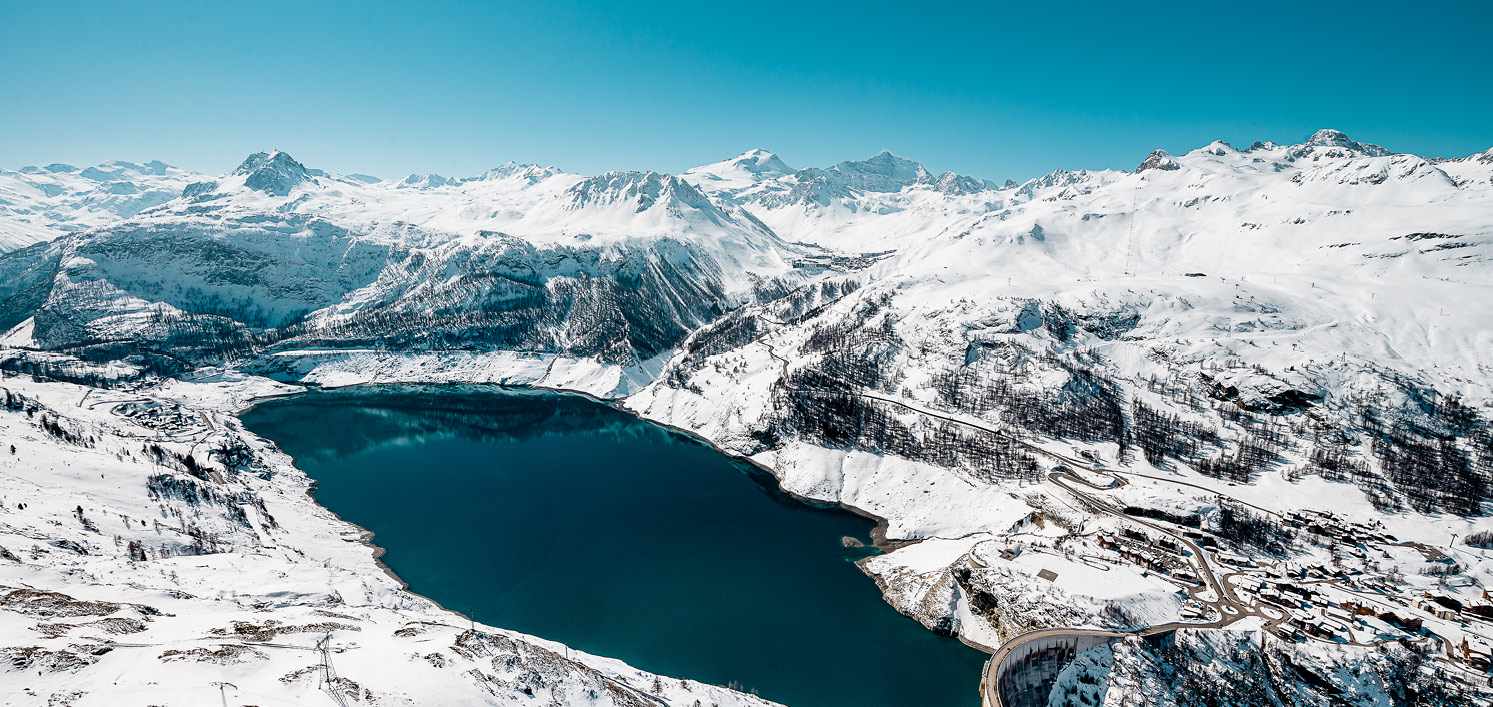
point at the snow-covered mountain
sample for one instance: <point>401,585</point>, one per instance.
<point>41,203</point>
<point>741,172</point>
<point>1282,326</point>
<point>1282,257</point>
<point>621,266</point>
<point>867,205</point>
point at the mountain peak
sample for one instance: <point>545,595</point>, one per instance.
<point>528,173</point>
<point>260,160</point>
<point>424,181</point>
<point>886,164</point>
<point>954,184</point>
<point>1158,159</point>
<point>274,173</point>
<point>1337,141</point>
<point>761,162</point>
<point>1328,136</point>
<point>742,171</point>
<point>1217,148</point>
<point>640,190</point>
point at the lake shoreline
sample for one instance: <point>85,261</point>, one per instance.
<point>752,469</point>
<point>878,533</point>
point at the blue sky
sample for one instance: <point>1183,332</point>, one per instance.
<point>991,89</point>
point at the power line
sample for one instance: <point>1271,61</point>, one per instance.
<point>1130,245</point>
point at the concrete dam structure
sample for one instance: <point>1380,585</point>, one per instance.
<point>1022,672</point>
<point>1026,676</point>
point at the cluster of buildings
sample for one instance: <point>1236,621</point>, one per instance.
<point>1313,614</point>
<point>1309,594</point>
<point>168,418</point>
<point>1329,524</point>
<point>1163,554</point>
<point>840,262</point>
<point>1305,591</point>
<point>1475,651</point>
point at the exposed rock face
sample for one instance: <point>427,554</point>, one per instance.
<point>1339,141</point>
<point>274,173</point>
<point>245,284</point>
<point>641,190</point>
<point>1159,159</point>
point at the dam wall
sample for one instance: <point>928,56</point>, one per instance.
<point>1023,672</point>
<point>1026,676</point>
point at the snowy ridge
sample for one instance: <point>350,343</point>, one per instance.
<point>1335,143</point>
<point>620,266</point>
<point>742,171</point>
<point>1262,333</point>
<point>41,203</point>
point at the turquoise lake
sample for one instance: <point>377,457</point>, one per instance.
<point>561,517</point>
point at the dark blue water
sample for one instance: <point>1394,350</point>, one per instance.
<point>561,517</point>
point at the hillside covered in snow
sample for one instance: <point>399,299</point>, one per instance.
<point>41,203</point>
<point>1277,353</point>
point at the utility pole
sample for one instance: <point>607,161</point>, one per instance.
<point>321,651</point>
<point>328,673</point>
<point>222,691</point>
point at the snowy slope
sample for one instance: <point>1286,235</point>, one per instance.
<point>742,172</point>
<point>620,266</point>
<point>1297,326</point>
<point>541,204</point>
<point>41,203</point>
<point>1289,326</point>
<point>130,576</point>
<point>1331,269</point>
<point>880,203</point>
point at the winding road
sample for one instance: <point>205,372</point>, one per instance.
<point>1225,604</point>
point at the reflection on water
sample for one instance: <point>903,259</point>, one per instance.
<point>561,517</point>
<point>370,417</point>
